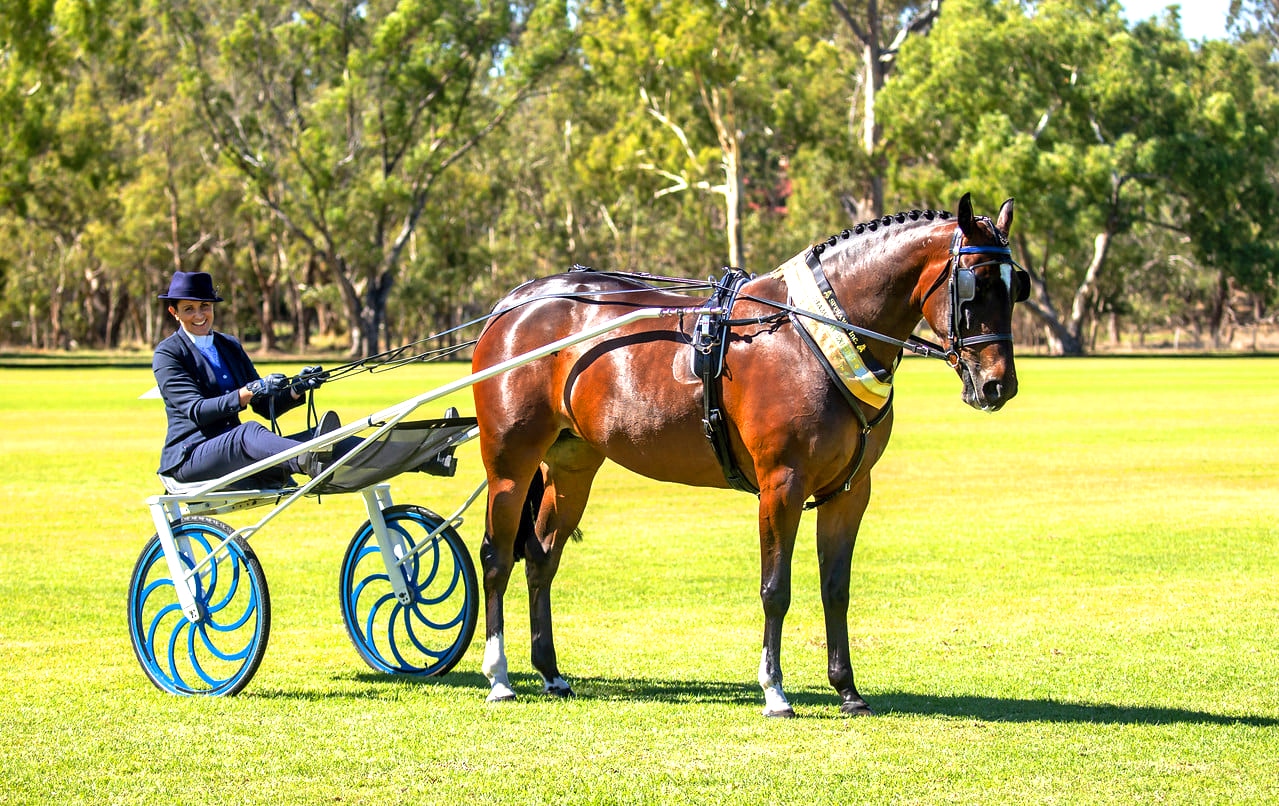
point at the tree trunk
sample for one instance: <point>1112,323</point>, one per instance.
<point>351,303</point>
<point>1217,311</point>
<point>1080,306</point>
<point>876,65</point>
<point>266,305</point>
<point>723,115</point>
<point>873,82</point>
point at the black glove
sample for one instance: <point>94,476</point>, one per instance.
<point>268,386</point>
<point>309,378</point>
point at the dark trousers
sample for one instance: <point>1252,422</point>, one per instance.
<point>240,447</point>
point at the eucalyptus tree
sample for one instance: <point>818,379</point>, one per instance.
<point>698,90</point>
<point>1259,18</point>
<point>1221,173</point>
<point>1097,128</point>
<point>877,31</point>
<point>676,75</point>
<point>342,115</point>
<point>61,71</point>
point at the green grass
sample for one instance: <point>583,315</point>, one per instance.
<point>1075,600</point>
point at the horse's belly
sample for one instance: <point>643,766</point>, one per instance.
<point>630,406</point>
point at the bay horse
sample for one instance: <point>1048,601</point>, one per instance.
<point>792,433</point>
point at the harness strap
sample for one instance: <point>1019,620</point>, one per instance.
<point>867,427</point>
<point>880,373</point>
<point>814,261</point>
<point>710,342</point>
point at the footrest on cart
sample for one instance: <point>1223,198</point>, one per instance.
<point>422,445</point>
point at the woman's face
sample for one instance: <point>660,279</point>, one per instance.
<point>195,316</point>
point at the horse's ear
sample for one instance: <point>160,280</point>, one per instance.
<point>1005,218</point>
<point>966,222</point>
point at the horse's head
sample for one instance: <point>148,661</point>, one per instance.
<point>973,316</point>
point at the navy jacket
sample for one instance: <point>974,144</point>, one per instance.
<point>194,402</point>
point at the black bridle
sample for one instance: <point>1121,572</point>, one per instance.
<point>962,281</point>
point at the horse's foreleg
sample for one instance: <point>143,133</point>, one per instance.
<point>778,523</point>
<point>570,469</point>
<point>837,525</point>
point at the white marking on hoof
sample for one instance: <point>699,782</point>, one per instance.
<point>775,703</point>
<point>500,693</point>
<point>558,687</point>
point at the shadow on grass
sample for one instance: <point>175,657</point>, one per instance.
<point>1003,709</point>
<point>818,704</point>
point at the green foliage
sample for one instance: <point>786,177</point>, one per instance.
<point>1096,129</point>
<point>369,167</point>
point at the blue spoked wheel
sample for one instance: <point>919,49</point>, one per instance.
<point>428,635</point>
<point>218,654</point>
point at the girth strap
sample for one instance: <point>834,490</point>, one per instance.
<point>710,343</point>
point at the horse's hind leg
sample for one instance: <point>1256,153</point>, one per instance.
<point>837,525</point>
<point>511,467</point>
<point>569,470</point>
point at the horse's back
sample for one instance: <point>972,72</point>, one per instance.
<point>600,291</point>
<point>624,392</point>
<point>562,305</point>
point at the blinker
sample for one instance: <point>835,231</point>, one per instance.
<point>965,285</point>
<point>1016,280</point>
<point>1020,286</point>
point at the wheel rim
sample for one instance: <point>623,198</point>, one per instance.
<point>218,654</point>
<point>429,634</point>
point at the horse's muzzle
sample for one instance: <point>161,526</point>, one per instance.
<point>988,388</point>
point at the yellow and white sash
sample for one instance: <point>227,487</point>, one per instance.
<point>835,344</point>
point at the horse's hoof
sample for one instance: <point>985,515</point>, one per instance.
<point>785,713</point>
<point>501,693</point>
<point>856,708</point>
<point>556,687</point>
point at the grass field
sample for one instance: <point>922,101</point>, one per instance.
<point>1075,600</point>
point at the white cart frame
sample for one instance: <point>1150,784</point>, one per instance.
<point>215,496</point>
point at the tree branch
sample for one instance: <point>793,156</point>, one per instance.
<point>847,17</point>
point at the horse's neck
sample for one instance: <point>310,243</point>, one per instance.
<point>876,280</point>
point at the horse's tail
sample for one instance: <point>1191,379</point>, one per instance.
<point>527,533</point>
<point>528,514</point>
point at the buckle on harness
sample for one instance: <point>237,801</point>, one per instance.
<point>706,330</point>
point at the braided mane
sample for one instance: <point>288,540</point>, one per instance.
<point>875,224</point>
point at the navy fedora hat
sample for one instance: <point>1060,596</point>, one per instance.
<point>197,285</point>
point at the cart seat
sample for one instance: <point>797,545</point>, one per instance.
<point>250,485</point>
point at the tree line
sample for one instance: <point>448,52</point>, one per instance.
<point>357,174</point>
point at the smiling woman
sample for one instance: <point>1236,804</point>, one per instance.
<point>206,380</point>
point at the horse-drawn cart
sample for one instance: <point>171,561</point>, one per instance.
<point>767,387</point>
<point>199,611</point>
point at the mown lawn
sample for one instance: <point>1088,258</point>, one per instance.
<point>1075,600</point>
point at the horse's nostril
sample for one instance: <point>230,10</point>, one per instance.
<point>993,391</point>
